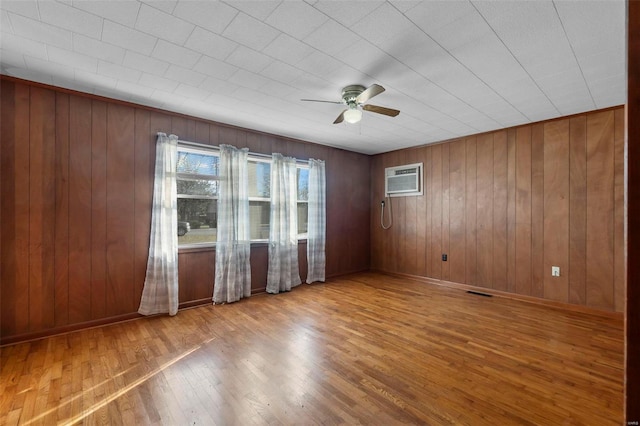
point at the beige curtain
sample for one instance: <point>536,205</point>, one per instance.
<point>160,292</point>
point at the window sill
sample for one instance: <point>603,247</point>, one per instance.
<point>197,248</point>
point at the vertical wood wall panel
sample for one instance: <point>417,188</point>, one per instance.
<point>37,164</point>
<point>600,209</point>
<point>179,128</point>
<point>436,211</point>
<point>391,238</point>
<point>335,210</point>
<point>471,229</point>
<point>158,123</point>
<point>98,209</point>
<point>144,152</point>
<point>411,232</point>
<point>428,176</point>
<point>399,217</point>
<point>457,229</point>
<point>199,274</point>
<point>77,186</point>
<point>400,243</point>
<point>509,204</point>
<point>303,265</point>
<point>21,307</point>
<point>259,257</point>
<point>80,210</point>
<point>358,215</point>
<point>619,213</point>
<point>511,210</point>
<point>523,211</point>
<point>577,209</point>
<point>484,213</point>
<point>41,203</point>
<point>61,233</point>
<point>377,193</point>
<point>383,241</point>
<point>201,132</point>
<point>537,210</point>
<point>407,204</point>
<point>120,209</point>
<point>190,133</point>
<point>421,220</point>
<point>184,270</point>
<point>7,216</point>
<point>500,223</point>
<point>446,225</point>
<point>556,209</point>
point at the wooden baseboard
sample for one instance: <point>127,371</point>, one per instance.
<point>529,299</point>
<point>195,303</point>
<point>35,335</point>
<point>344,274</point>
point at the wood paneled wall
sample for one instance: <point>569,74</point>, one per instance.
<point>632,317</point>
<point>505,206</point>
<point>76,191</point>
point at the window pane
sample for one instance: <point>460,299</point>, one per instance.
<point>202,217</point>
<point>259,179</point>
<point>204,187</point>
<point>259,212</point>
<point>303,209</point>
<point>202,164</point>
<point>303,186</point>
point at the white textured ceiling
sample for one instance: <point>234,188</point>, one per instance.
<point>452,68</point>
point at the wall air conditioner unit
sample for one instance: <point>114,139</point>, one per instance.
<point>403,181</point>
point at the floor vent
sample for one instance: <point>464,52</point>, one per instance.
<point>477,293</point>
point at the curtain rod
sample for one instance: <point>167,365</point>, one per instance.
<point>217,148</point>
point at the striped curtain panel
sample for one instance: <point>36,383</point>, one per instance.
<point>317,227</point>
<point>283,273</point>
<point>160,291</point>
<point>233,247</point>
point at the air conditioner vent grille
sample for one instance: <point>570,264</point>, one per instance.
<point>411,170</point>
<point>402,183</point>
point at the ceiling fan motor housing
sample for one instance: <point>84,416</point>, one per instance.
<point>350,93</point>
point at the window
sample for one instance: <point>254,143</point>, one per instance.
<point>197,186</point>
<point>303,200</point>
<point>259,201</point>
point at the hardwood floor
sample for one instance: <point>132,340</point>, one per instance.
<point>364,349</point>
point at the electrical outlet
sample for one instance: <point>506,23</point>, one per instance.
<point>555,271</point>
<point>444,257</point>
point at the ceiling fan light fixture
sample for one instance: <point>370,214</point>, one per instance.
<point>352,115</point>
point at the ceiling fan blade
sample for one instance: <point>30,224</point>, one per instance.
<point>381,110</point>
<point>370,92</point>
<point>340,117</point>
<point>318,100</point>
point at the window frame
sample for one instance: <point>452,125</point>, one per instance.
<point>185,146</point>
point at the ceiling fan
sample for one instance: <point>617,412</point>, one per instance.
<point>355,98</point>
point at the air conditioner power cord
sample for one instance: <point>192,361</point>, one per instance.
<point>382,214</point>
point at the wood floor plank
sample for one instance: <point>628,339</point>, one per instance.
<point>362,349</point>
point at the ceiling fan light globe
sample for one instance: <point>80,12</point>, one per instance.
<point>352,116</point>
